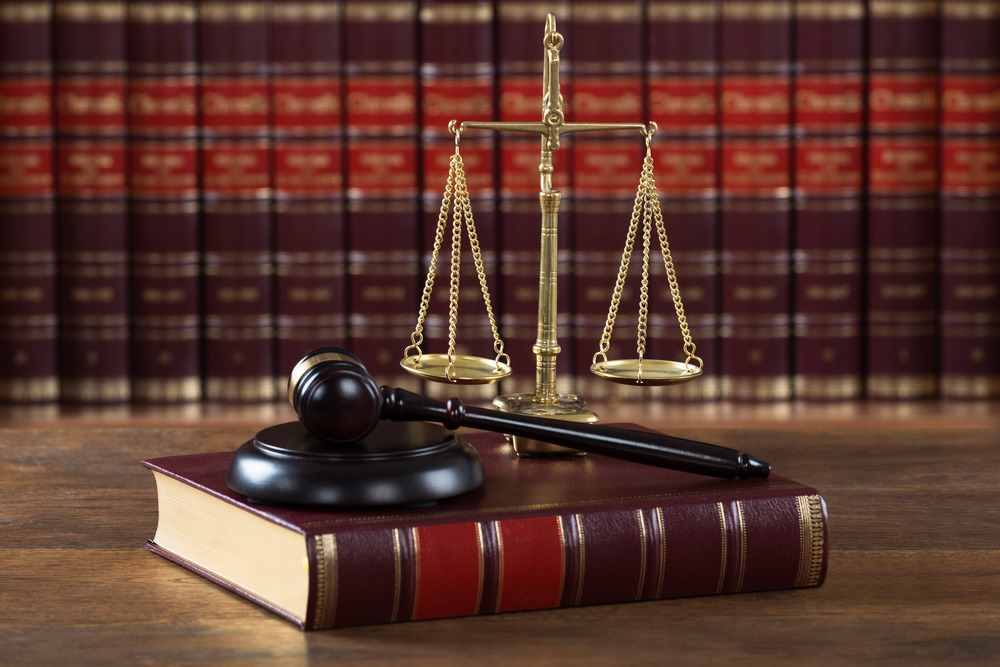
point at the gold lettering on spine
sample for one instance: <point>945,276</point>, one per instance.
<point>326,580</point>
<point>811,546</point>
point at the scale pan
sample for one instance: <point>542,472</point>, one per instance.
<point>468,369</point>
<point>655,372</point>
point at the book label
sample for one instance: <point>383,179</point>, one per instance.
<point>307,105</point>
<point>162,106</point>
<point>380,103</point>
<point>902,101</point>
<point>755,104</point>
<point>683,104</point>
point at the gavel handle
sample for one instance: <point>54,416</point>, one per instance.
<point>641,447</point>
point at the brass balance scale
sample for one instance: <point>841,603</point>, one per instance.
<point>456,368</point>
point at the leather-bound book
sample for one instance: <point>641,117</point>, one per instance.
<point>383,181</point>
<point>539,533</point>
<point>607,86</point>
<point>828,110</point>
<point>90,66</point>
<point>28,306</point>
<point>236,201</point>
<point>310,244</point>
<point>164,214</point>
<point>902,205</point>
<point>756,41</point>
<point>519,80</point>
<point>457,73</point>
<point>682,78</point>
<point>970,200</point>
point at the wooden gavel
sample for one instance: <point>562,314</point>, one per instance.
<point>337,400</point>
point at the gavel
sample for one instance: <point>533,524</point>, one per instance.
<point>338,401</point>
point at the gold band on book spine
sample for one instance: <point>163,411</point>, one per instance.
<point>811,540</point>
<point>325,561</point>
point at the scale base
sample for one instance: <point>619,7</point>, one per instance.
<point>399,463</point>
<point>566,406</point>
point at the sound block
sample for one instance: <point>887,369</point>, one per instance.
<point>399,463</point>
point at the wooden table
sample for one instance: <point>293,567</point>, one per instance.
<point>914,575</point>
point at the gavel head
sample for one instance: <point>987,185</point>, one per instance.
<point>334,396</point>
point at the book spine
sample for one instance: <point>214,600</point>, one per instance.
<point>682,91</point>
<point>457,75</point>
<point>28,305</point>
<point>539,562</point>
<point>607,53</point>
<point>902,204</point>
<point>165,259</point>
<point>969,317</point>
<point>519,99</point>
<point>383,204</point>
<point>91,67</point>
<point>756,200</point>
<point>310,257</point>
<point>828,108</point>
<point>236,200</point>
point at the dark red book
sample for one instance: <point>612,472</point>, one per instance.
<point>970,200</point>
<point>165,253</point>
<point>539,533</point>
<point>28,305</point>
<point>310,245</point>
<point>902,204</point>
<point>682,79</point>
<point>235,94</point>
<point>383,184</point>
<point>828,117</point>
<point>92,199</point>
<point>756,220</point>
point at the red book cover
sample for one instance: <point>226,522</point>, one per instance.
<point>91,157</point>
<point>234,93</point>
<point>457,75</point>
<point>902,205</point>
<point>520,27</point>
<point>828,111</point>
<point>383,182</point>
<point>163,190</point>
<point>607,86</point>
<point>970,200</point>
<point>28,305</point>
<point>756,47</point>
<point>682,79</point>
<point>310,246</point>
<point>539,533</point>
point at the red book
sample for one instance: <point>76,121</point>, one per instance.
<point>902,204</point>
<point>383,195</point>
<point>163,190</point>
<point>970,200</point>
<point>28,306</point>
<point>607,55</point>
<point>236,201</point>
<point>756,42</point>
<point>828,110</point>
<point>91,158</point>
<point>539,533</point>
<point>682,92</point>
<point>310,253</point>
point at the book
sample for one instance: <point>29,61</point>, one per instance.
<point>164,229</point>
<point>828,126</point>
<point>28,299</point>
<point>969,245</point>
<point>539,533</point>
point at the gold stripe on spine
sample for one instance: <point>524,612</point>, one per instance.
<point>903,9</point>
<point>305,11</point>
<point>757,11</point>
<point>981,11</point>
<point>966,387</point>
<point>168,391</point>
<point>30,390</point>
<point>28,12</point>
<point>415,536</point>
<point>481,550</point>
<point>326,580</point>
<point>496,606</point>
<point>531,11</point>
<point>820,10</point>
<point>464,12</point>
<point>380,11</point>
<point>90,11</point>
<point>577,519</point>
<point>604,12</point>
<point>397,572</point>
<point>811,546</point>
<point>722,561</point>
<point>235,11</point>
<point>97,390</point>
<point>662,575</point>
<point>685,11</point>
<point>642,554</point>
<point>562,564</point>
<point>162,12</point>
<point>742,529</point>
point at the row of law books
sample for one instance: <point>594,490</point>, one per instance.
<point>193,195</point>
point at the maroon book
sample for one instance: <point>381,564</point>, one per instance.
<point>163,190</point>
<point>756,221</point>
<point>90,68</point>
<point>234,95</point>
<point>682,79</point>
<point>902,204</point>
<point>828,110</point>
<point>310,247</point>
<point>383,170</point>
<point>970,200</point>
<point>28,306</point>
<point>539,533</point>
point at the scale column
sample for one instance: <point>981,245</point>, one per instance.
<point>546,347</point>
